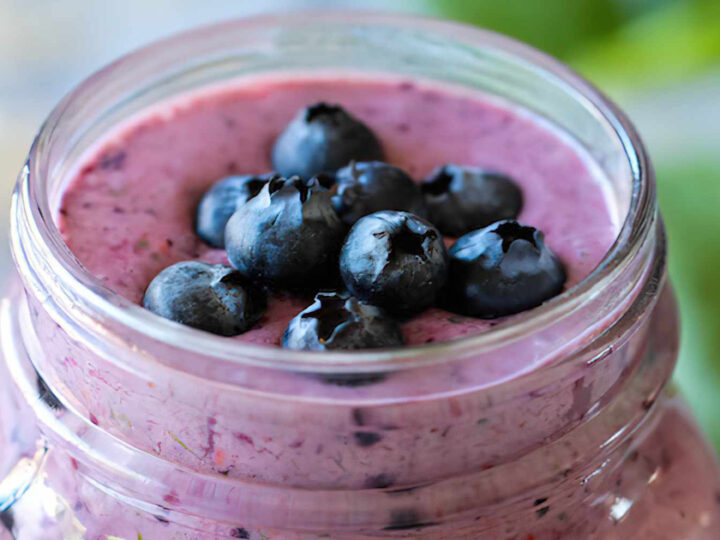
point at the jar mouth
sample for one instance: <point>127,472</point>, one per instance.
<point>98,303</point>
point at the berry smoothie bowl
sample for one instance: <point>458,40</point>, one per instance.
<point>343,276</point>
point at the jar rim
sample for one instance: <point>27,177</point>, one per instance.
<point>111,306</point>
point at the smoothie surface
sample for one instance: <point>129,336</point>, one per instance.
<point>129,210</point>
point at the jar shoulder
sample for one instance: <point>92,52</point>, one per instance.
<point>680,495</point>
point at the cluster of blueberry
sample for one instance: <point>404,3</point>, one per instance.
<point>335,217</point>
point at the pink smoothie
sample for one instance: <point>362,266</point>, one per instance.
<point>417,445</point>
<point>129,211</point>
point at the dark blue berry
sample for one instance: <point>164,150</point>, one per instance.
<point>239,532</point>
<point>214,298</point>
<point>340,322</point>
<point>366,187</point>
<point>288,235</point>
<point>462,199</point>
<point>321,139</point>
<point>221,201</point>
<point>502,269</point>
<point>394,260</point>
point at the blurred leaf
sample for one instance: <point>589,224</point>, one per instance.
<point>689,198</point>
<point>673,42</point>
<point>556,26</point>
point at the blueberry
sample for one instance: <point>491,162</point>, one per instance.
<point>321,139</point>
<point>462,199</point>
<point>502,269</point>
<point>394,260</point>
<point>340,322</point>
<point>221,201</point>
<point>215,298</point>
<point>288,235</point>
<point>366,187</point>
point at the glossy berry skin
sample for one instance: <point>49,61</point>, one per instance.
<point>286,236</point>
<point>321,139</point>
<point>394,260</point>
<point>463,199</point>
<point>214,298</point>
<point>502,269</point>
<point>220,202</point>
<point>341,322</point>
<point>363,188</point>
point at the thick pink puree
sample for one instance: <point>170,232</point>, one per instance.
<point>129,212</point>
<point>418,446</point>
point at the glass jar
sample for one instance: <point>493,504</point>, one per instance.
<point>118,425</point>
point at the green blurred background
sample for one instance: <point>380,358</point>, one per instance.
<point>660,59</point>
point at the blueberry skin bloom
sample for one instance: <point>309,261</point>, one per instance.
<point>214,298</point>
<point>288,235</point>
<point>463,199</point>
<point>321,139</point>
<point>502,269</point>
<point>366,187</point>
<point>394,260</point>
<point>341,322</point>
<point>220,202</point>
